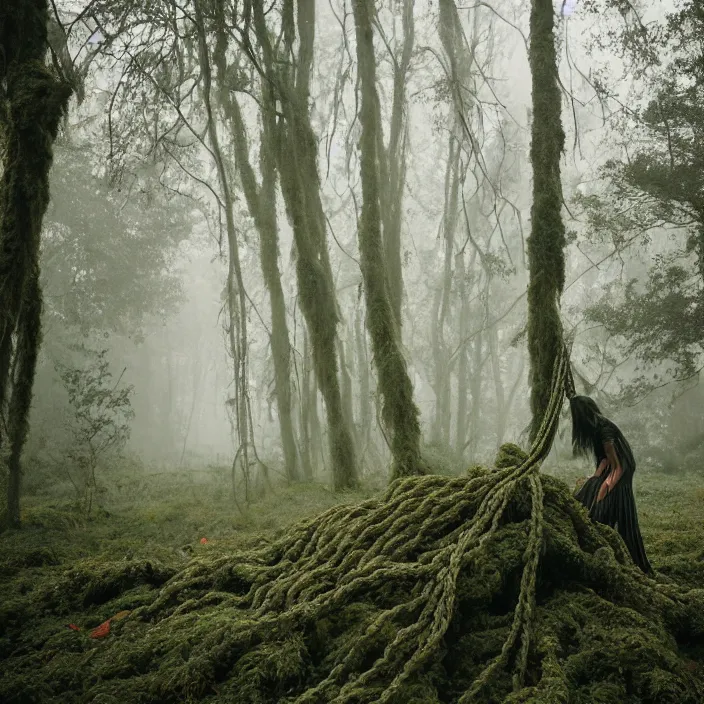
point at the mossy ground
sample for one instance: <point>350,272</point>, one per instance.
<point>192,639</point>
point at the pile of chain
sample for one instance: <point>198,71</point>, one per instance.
<point>494,586</point>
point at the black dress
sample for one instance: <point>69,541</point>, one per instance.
<point>618,508</point>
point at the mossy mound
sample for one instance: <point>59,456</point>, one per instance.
<point>422,596</point>
<point>509,455</point>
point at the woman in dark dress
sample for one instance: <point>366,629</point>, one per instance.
<point>608,494</point>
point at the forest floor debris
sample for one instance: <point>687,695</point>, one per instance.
<point>308,614</point>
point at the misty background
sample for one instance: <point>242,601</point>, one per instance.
<point>135,251</point>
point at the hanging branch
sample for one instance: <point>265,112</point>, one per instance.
<point>236,294</point>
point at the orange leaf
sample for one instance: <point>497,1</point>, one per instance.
<point>73,627</point>
<point>101,631</point>
<point>203,541</point>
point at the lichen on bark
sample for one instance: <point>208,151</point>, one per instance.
<point>33,100</point>
<point>399,410</point>
<point>547,239</point>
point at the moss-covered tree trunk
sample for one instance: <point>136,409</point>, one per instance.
<point>236,294</point>
<point>304,424</point>
<point>365,386</point>
<point>280,345</point>
<point>297,162</point>
<point>392,162</point>
<point>546,258</point>
<point>32,103</point>
<point>400,413</point>
<point>261,202</point>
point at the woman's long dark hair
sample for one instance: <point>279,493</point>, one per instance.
<point>585,419</point>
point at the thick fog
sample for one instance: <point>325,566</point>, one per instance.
<point>350,351</point>
<point>135,253</point>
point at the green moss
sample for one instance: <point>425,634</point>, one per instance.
<point>340,603</point>
<point>510,455</point>
<point>34,102</point>
<point>399,411</point>
<point>545,247</point>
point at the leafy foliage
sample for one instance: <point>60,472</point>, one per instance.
<point>100,423</point>
<point>656,194</point>
<point>108,260</point>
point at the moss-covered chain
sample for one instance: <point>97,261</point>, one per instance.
<point>361,603</point>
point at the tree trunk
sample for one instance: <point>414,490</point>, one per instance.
<point>493,342</point>
<point>346,384</point>
<point>463,356</point>
<point>297,162</point>
<point>34,102</point>
<point>26,353</point>
<point>262,206</point>
<point>316,427</point>
<point>475,391</point>
<point>400,413</point>
<point>307,400</point>
<point>365,394</point>
<point>443,365</point>
<point>441,302</point>
<point>546,257</point>
<point>392,164</point>
<point>261,202</point>
<point>236,294</point>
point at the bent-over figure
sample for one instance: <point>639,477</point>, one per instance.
<point>608,494</point>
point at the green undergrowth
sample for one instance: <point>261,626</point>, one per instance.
<point>330,608</point>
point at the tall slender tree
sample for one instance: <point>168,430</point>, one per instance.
<point>400,412</point>
<point>33,100</point>
<point>261,202</point>
<point>459,65</point>
<point>236,294</point>
<point>546,256</point>
<point>294,143</point>
<point>392,160</point>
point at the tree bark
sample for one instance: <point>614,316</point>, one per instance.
<point>546,257</point>
<point>261,202</point>
<point>400,413</point>
<point>300,182</point>
<point>34,102</point>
